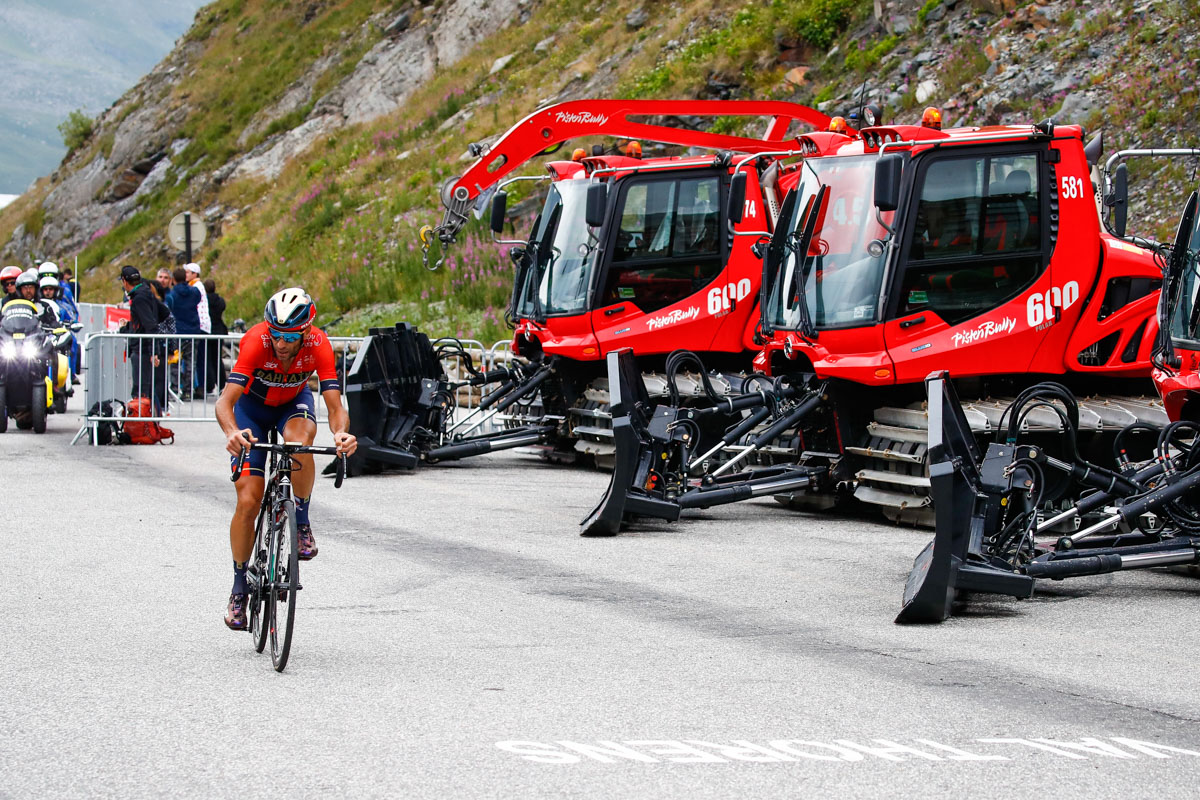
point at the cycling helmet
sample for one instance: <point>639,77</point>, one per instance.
<point>10,273</point>
<point>49,282</point>
<point>290,310</point>
<point>48,268</point>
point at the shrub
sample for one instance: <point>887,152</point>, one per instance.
<point>76,129</point>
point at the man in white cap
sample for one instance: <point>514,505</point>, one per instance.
<point>193,278</point>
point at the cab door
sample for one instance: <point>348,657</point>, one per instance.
<point>667,244</point>
<point>972,252</point>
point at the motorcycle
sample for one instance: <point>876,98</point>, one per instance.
<point>34,371</point>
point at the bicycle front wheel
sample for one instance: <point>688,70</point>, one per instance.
<point>286,584</point>
<point>258,577</point>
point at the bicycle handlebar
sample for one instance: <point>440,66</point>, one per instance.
<point>291,450</point>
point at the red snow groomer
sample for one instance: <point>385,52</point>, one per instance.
<point>992,533</point>
<point>628,251</point>
<point>904,250</point>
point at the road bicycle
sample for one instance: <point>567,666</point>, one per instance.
<point>273,574</point>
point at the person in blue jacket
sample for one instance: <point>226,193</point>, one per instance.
<point>184,302</point>
<point>66,298</point>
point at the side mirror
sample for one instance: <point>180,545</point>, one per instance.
<point>77,326</point>
<point>597,202</point>
<point>499,205</point>
<point>1120,200</point>
<point>737,197</point>
<point>887,182</point>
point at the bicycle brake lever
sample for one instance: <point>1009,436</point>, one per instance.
<point>340,471</point>
<point>237,468</point>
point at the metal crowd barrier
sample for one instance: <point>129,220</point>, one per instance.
<point>181,375</point>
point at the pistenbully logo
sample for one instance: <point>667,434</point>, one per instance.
<point>678,315</point>
<point>985,330</point>
<point>582,117</point>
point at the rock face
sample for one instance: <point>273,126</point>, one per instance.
<point>268,160</point>
<point>982,61</point>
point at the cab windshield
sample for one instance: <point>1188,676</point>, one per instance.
<point>1185,317</point>
<point>841,280</point>
<point>560,256</point>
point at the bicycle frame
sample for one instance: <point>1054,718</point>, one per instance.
<point>276,518</point>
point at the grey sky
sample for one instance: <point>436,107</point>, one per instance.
<point>59,55</point>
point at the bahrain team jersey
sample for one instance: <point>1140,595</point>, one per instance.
<point>258,370</point>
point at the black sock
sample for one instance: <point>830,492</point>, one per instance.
<point>239,577</point>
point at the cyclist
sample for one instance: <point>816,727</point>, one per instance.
<point>268,388</point>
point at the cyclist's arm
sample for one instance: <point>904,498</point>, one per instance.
<point>235,439</point>
<point>339,421</point>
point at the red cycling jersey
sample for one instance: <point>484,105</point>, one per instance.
<point>257,368</point>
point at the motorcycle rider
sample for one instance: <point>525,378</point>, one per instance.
<point>49,293</point>
<point>66,298</point>
<point>8,280</point>
<point>27,299</point>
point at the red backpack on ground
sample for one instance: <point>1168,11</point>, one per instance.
<point>145,432</point>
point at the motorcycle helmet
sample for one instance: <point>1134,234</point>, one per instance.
<point>10,273</point>
<point>27,278</point>
<point>49,282</point>
<point>290,310</point>
<point>48,268</point>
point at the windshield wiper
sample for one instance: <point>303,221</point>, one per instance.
<point>544,270</point>
<point>798,245</point>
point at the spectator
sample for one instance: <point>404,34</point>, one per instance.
<point>164,280</point>
<point>69,282</point>
<point>184,300</point>
<point>200,376</point>
<point>148,356</point>
<point>216,364</point>
<point>192,273</point>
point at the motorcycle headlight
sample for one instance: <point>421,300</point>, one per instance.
<point>8,350</point>
<point>29,350</point>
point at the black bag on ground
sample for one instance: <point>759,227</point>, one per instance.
<point>109,432</point>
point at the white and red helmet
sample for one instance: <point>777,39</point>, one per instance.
<point>290,310</point>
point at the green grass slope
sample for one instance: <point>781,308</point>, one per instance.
<point>342,220</point>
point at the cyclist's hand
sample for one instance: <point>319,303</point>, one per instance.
<point>239,441</point>
<point>346,443</point>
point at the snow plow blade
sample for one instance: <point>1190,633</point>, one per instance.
<point>622,500</point>
<point>383,388</point>
<point>943,567</point>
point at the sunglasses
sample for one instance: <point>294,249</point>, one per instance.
<point>284,335</point>
<point>8,283</point>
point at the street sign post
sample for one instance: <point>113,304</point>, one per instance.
<point>185,232</point>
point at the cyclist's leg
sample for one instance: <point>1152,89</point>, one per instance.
<point>300,425</point>
<point>258,418</point>
<point>249,488</point>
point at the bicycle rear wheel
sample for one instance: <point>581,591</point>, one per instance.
<point>287,581</point>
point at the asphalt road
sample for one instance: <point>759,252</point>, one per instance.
<point>456,638</point>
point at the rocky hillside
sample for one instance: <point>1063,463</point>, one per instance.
<point>312,134</point>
